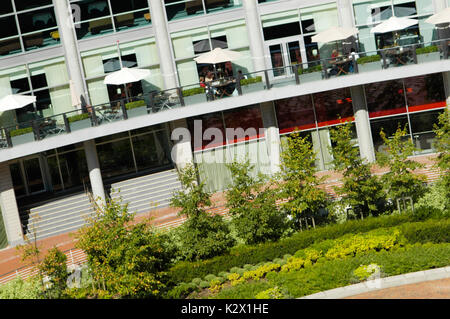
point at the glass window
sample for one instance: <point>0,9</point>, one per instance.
<point>422,130</point>
<point>120,6</point>
<point>17,179</point>
<point>37,20</point>
<point>246,118</point>
<point>405,9</point>
<point>296,112</point>
<point>116,158</point>
<point>281,31</point>
<point>425,92</point>
<point>54,173</point>
<point>74,168</point>
<point>6,7</point>
<point>33,175</point>
<point>149,150</point>
<point>378,104</point>
<point>208,121</point>
<point>389,126</point>
<point>332,106</point>
<point>27,4</point>
<point>8,27</point>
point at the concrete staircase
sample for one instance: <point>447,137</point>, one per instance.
<point>147,193</point>
<point>56,217</point>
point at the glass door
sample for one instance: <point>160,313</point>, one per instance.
<point>27,177</point>
<point>284,54</point>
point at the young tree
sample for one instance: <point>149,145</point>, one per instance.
<point>400,182</point>
<point>442,145</point>
<point>203,235</point>
<point>54,266</point>
<point>360,189</point>
<point>126,259</point>
<point>252,204</point>
<point>299,181</point>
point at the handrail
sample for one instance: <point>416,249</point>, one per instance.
<point>42,127</point>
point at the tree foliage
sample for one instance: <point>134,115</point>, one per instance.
<point>54,266</point>
<point>126,259</point>
<point>360,189</point>
<point>203,235</point>
<point>400,181</point>
<point>442,145</point>
<point>252,204</point>
<point>298,173</point>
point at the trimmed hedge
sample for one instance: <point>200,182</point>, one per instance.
<point>317,68</point>
<point>251,80</point>
<point>21,131</point>
<point>429,49</point>
<point>79,117</point>
<point>368,59</point>
<point>193,91</point>
<point>135,104</point>
<point>241,255</point>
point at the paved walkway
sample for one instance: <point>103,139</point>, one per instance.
<point>436,289</point>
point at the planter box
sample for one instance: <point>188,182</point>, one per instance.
<point>137,111</point>
<point>310,77</point>
<point>79,125</point>
<point>368,67</point>
<point>195,99</point>
<point>253,87</point>
<point>428,57</point>
<point>22,139</point>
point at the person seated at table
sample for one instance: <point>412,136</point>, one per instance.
<point>202,82</point>
<point>353,57</point>
<point>334,56</point>
<point>209,77</point>
<point>228,70</point>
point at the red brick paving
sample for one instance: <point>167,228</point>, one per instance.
<point>436,289</point>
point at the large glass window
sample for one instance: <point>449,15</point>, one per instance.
<point>295,113</point>
<point>34,20</point>
<point>208,121</point>
<point>385,98</point>
<point>333,106</point>
<point>179,9</point>
<point>422,126</point>
<point>246,118</point>
<point>389,126</point>
<point>425,92</point>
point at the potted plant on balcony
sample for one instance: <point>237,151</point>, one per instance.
<point>136,108</point>
<point>252,84</point>
<point>22,136</point>
<point>79,121</point>
<point>428,54</point>
<point>194,95</point>
<point>313,73</point>
<point>369,63</point>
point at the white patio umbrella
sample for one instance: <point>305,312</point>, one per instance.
<point>440,17</point>
<point>218,55</point>
<point>334,34</point>
<point>393,24</point>
<point>15,101</point>
<point>126,75</point>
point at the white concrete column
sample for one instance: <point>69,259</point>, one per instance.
<point>162,37</point>
<point>345,13</point>
<point>182,149</point>
<point>9,209</point>
<point>362,122</point>
<point>95,174</point>
<point>66,29</point>
<point>272,134</point>
<point>255,36</point>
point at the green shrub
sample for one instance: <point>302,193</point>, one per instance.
<point>224,274</point>
<point>254,254</point>
<point>428,49</point>
<point>204,284</point>
<point>79,117</point>
<point>210,277</point>
<point>181,291</point>
<point>135,104</point>
<point>433,231</point>
<point>251,80</point>
<point>21,289</point>
<point>21,131</point>
<point>193,91</point>
<point>196,281</point>
<point>271,293</point>
<point>311,69</point>
<point>368,59</point>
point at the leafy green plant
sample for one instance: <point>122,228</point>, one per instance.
<point>311,69</point>
<point>193,91</point>
<point>300,183</point>
<point>202,235</point>
<point>442,145</point>
<point>135,104</point>
<point>21,131</point>
<point>78,117</point>
<point>54,266</point>
<point>22,289</point>
<point>400,182</point>
<point>126,259</point>
<point>360,189</point>
<point>248,81</point>
<point>428,49</point>
<point>271,293</point>
<point>252,205</point>
<point>368,59</point>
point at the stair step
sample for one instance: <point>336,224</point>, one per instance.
<point>148,194</point>
<point>44,223</point>
<point>62,202</point>
<point>157,176</point>
<point>56,211</point>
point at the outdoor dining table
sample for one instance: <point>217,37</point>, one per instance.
<point>221,87</point>
<point>399,55</point>
<point>342,65</point>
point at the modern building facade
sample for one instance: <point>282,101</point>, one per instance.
<point>82,135</point>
